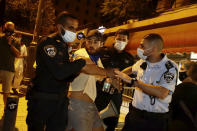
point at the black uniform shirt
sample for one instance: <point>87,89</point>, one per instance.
<point>187,92</point>
<point>54,68</point>
<point>111,58</point>
<point>7,57</point>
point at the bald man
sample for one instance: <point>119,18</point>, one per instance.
<point>154,86</point>
<point>9,49</point>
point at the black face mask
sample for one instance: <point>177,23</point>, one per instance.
<point>182,75</point>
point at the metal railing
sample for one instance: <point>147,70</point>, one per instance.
<point>127,96</point>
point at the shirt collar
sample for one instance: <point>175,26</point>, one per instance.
<point>163,60</point>
<point>58,37</point>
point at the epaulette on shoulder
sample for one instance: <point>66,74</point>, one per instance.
<point>43,39</point>
<point>169,65</point>
<point>143,65</point>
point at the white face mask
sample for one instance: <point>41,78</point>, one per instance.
<point>140,53</point>
<point>69,36</point>
<point>120,45</point>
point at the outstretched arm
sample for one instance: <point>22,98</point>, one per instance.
<point>154,90</point>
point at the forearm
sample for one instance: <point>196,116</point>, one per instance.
<point>93,69</point>
<point>153,90</point>
<point>127,70</point>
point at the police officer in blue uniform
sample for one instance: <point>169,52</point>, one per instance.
<point>47,98</point>
<point>155,84</point>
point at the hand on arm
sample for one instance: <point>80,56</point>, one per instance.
<point>127,70</point>
<point>12,47</point>
<point>117,83</point>
<point>88,60</point>
<point>93,69</point>
<point>153,90</point>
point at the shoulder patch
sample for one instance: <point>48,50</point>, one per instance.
<point>168,77</point>
<point>50,50</point>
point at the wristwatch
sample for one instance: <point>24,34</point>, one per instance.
<point>133,80</point>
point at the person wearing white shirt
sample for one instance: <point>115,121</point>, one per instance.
<point>155,84</point>
<point>82,112</point>
<point>19,67</point>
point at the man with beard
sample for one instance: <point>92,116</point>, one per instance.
<point>82,112</point>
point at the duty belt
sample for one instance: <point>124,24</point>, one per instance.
<point>146,114</point>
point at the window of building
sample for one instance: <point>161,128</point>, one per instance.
<point>67,5</point>
<point>87,12</point>
<point>56,2</point>
<point>77,8</point>
<point>84,21</point>
<point>97,5</point>
<point>95,14</point>
<point>193,56</point>
<point>88,2</point>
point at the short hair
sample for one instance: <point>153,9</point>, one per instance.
<point>61,18</point>
<point>192,72</point>
<point>8,23</point>
<point>155,39</point>
<point>122,32</point>
<point>95,33</point>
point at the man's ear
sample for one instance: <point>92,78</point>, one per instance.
<point>154,49</point>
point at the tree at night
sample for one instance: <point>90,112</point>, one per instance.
<point>23,13</point>
<point>119,11</point>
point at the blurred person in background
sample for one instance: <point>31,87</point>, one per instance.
<point>183,70</point>
<point>184,101</point>
<point>20,64</point>
<point>9,47</point>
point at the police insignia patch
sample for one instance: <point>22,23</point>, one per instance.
<point>50,50</point>
<point>168,77</point>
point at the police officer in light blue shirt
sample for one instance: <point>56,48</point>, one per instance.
<point>155,84</point>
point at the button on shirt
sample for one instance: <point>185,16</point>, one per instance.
<point>155,74</point>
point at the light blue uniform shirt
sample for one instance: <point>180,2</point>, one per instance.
<point>155,74</point>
